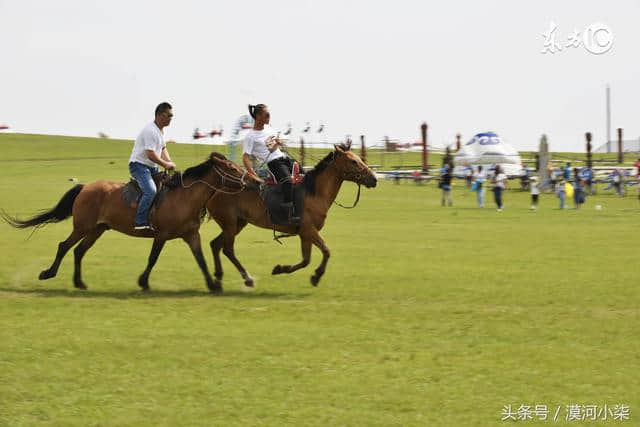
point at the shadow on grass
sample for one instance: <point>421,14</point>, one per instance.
<point>153,294</point>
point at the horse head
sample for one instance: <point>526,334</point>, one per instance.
<point>351,167</point>
<point>232,174</point>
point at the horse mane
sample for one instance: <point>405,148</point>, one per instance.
<point>309,180</point>
<point>194,172</point>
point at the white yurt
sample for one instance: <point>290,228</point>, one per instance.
<point>488,150</point>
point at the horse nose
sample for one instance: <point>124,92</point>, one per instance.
<point>372,181</point>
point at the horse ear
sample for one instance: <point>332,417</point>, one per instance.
<point>338,148</point>
<point>217,159</point>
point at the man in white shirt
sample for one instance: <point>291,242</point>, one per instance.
<point>148,152</point>
<point>262,143</point>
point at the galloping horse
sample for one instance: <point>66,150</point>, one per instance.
<point>100,206</point>
<point>321,185</point>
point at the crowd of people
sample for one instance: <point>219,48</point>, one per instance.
<point>566,183</point>
<point>478,182</point>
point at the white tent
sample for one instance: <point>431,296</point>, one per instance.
<point>487,149</point>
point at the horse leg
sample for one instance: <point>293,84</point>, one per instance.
<point>216,246</point>
<point>81,249</point>
<point>143,280</point>
<point>193,240</point>
<point>319,243</point>
<point>305,243</point>
<point>229,237</point>
<point>63,248</point>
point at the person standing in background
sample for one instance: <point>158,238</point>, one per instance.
<point>445,185</point>
<point>578,189</point>
<point>478,179</point>
<point>499,185</point>
<point>560,192</point>
<point>468,175</point>
<point>566,172</point>
<point>535,192</point>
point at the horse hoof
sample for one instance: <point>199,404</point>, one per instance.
<point>249,283</point>
<point>45,274</point>
<point>215,287</point>
<point>143,283</point>
<point>315,280</point>
<point>80,285</point>
<point>278,269</point>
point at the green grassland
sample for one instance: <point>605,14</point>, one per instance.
<point>426,315</point>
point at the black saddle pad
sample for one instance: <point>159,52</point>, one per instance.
<point>278,214</point>
<point>131,194</point>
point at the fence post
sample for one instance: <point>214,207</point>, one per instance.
<point>543,163</point>
<point>363,149</point>
<point>589,159</point>
<point>425,153</point>
<point>620,148</point>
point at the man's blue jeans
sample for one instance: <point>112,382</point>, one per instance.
<point>143,175</point>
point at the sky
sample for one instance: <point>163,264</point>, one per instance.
<point>378,68</point>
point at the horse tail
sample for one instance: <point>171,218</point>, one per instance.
<point>58,213</point>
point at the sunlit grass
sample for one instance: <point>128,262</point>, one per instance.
<point>426,315</point>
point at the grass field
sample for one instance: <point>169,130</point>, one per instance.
<point>426,315</point>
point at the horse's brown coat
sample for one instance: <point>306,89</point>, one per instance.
<point>234,212</point>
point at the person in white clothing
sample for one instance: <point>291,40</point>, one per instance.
<point>149,152</point>
<point>262,143</point>
<point>478,179</point>
<point>535,192</point>
<point>499,184</point>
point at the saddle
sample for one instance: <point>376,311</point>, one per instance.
<point>296,176</point>
<point>272,195</point>
<point>131,192</point>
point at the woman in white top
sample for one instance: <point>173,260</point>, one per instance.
<point>499,184</point>
<point>479,178</point>
<point>262,143</point>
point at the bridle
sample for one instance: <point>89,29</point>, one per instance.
<point>224,176</point>
<point>354,176</point>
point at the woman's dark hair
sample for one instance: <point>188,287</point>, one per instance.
<point>256,109</point>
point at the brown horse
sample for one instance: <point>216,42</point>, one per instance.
<point>321,185</point>
<point>100,206</point>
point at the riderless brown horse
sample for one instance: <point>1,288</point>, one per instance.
<point>100,206</point>
<point>321,185</point>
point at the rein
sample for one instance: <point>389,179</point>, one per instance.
<point>354,203</point>
<point>223,175</point>
<point>355,177</point>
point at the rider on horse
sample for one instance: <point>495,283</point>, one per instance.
<point>262,142</point>
<point>148,152</point>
